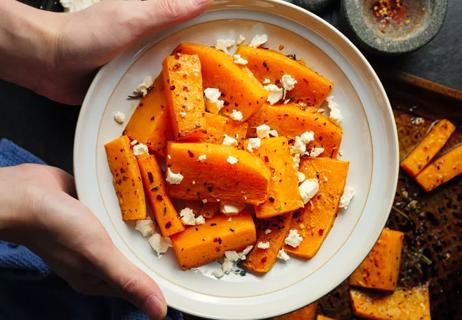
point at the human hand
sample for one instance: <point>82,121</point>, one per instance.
<point>37,210</point>
<point>57,54</point>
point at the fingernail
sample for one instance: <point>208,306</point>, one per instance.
<point>156,308</point>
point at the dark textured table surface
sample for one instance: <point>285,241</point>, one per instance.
<point>47,128</point>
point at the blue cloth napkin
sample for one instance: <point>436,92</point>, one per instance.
<point>30,290</point>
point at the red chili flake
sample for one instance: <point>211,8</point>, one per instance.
<point>168,225</point>
<point>321,232</point>
<point>150,177</point>
<point>159,197</point>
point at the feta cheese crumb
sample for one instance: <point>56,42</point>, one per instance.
<point>253,144</point>
<point>267,231</point>
<point>417,121</point>
<point>224,44</point>
<point>218,273</point>
<point>229,141</point>
<point>274,93</point>
<point>202,157</point>
<point>258,40</point>
<point>286,101</point>
<point>213,96</point>
<point>238,59</point>
<point>307,136</point>
<point>143,87</point>
<point>335,114</point>
<point>236,115</point>
<point>134,142</point>
<point>296,159</point>
<point>293,239</point>
<point>145,227</point>
<point>159,244</point>
<point>204,201</point>
<point>240,39</point>
<point>300,176</point>
<point>266,81</point>
<point>245,252</point>
<point>263,131</point>
<point>308,189</point>
<point>183,114</point>
<point>273,133</point>
<point>316,152</point>
<point>200,220</point>
<point>173,178</point>
<point>187,217</point>
<point>263,245</point>
<point>227,266</point>
<point>230,209</point>
<point>232,256</point>
<point>232,160</point>
<point>119,117</point>
<point>140,149</point>
<point>299,146</point>
<point>288,82</point>
<point>282,255</point>
<point>347,196</point>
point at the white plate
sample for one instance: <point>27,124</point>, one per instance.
<point>370,144</point>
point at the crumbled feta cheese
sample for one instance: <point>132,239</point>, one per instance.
<point>267,231</point>
<point>229,141</point>
<point>288,83</point>
<point>237,59</point>
<point>187,217</point>
<point>232,256</point>
<point>227,266</point>
<point>345,199</point>
<point>202,157</point>
<point>274,93</point>
<point>296,159</point>
<point>266,81</point>
<point>240,39</point>
<point>173,178</point>
<point>253,144</point>
<point>293,239</point>
<point>134,142</point>
<point>258,40</point>
<point>299,146</point>
<point>224,44</point>
<point>245,252</point>
<point>335,114</point>
<point>308,189</point>
<point>204,200</point>
<point>273,133</point>
<point>307,136</point>
<point>200,220</point>
<point>145,227</point>
<point>169,157</point>
<point>316,152</point>
<point>140,149</point>
<point>263,131</point>
<point>218,273</point>
<point>286,101</point>
<point>183,114</point>
<point>300,176</point>
<point>232,160</point>
<point>119,117</point>
<point>263,245</point>
<point>282,255</point>
<point>229,209</point>
<point>417,121</point>
<point>159,244</point>
<point>236,115</point>
<point>144,86</point>
<point>213,96</point>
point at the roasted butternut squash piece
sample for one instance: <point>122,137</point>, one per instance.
<point>283,194</point>
<point>441,170</point>
<point>402,304</point>
<point>314,222</point>
<point>424,152</point>
<point>154,184</point>
<point>207,210</point>
<point>204,243</point>
<point>310,88</point>
<point>305,313</point>
<point>126,179</point>
<point>380,269</point>
<point>150,123</point>
<point>185,96</point>
<point>240,90</point>
<point>217,173</point>
<point>217,126</point>
<point>321,317</point>
<point>274,231</point>
<point>290,121</point>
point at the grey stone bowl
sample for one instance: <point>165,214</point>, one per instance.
<point>405,28</point>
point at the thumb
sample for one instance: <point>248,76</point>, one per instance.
<point>133,284</point>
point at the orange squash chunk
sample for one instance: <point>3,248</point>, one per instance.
<point>290,121</point>
<point>199,245</point>
<point>441,170</point>
<point>311,87</point>
<point>402,304</point>
<point>380,269</point>
<point>207,210</point>
<point>274,231</point>
<point>321,317</point>
<point>164,212</point>
<point>217,178</point>
<point>314,222</point>
<point>240,90</point>
<point>185,97</point>
<point>126,179</point>
<point>424,152</point>
<point>217,126</point>
<point>150,123</point>
<point>283,194</point>
<point>306,313</point>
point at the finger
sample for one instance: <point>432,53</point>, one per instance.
<point>133,284</point>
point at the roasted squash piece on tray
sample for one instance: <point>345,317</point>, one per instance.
<point>306,313</point>
<point>218,126</point>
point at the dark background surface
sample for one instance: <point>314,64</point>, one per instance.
<point>47,128</point>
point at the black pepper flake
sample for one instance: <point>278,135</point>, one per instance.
<point>150,177</point>
<point>190,154</point>
<point>172,88</point>
<point>159,197</point>
<point>168,225</point>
